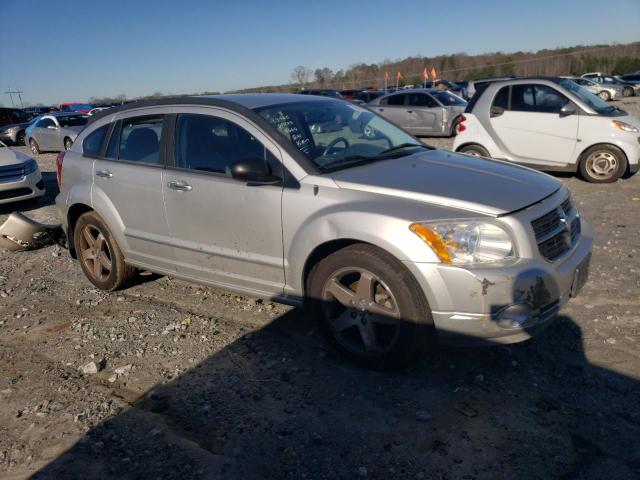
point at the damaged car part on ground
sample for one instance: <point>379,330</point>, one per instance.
<point>392,243</point>
<point>19,233</point>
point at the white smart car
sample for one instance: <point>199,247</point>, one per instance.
<point>551,124</point>
<point>20,177</point>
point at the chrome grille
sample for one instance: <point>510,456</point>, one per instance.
<point>11,173</point>
<point>557,230</point>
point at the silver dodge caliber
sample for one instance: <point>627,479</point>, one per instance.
<point>392,244</point>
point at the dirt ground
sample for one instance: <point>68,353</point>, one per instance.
<point>195,382</point>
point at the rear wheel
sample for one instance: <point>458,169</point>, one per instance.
<point>603,164</point>
<point>100,256</point>
<point>475,150</point>
<point>627,92</point>
<point>67,143</point>
<point>20,138</point>
<point>370,306</point>
<point>33,145</point>
<point>604,95</point>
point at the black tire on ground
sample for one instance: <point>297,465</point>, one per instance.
<point>67,143</point>
<point>100,256</point>
<point>604,95</point>
<point>475,150</point>
<point>603,164</point>
<point>33,145</point>
<point>370,307</point>
<point>627,92</point>
<point>20,138</point>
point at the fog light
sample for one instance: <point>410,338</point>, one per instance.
<point>515,316</point>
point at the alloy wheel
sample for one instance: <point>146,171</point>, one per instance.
<point>361,311</point>
<point>602,165</point>
<point>95,253</point>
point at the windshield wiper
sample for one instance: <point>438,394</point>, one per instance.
<point>401,146</point>
<point>345,160</point>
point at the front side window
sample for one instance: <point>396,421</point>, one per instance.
<point>213,144</point>
<point>92,144</point>
<point>536,98</point>
<point>140,139</point>
<point>73,120</point>
<point>335,134</point>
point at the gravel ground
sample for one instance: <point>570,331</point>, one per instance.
<point>194,382</point>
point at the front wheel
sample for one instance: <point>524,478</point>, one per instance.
<point>370,306</point>
<point>475,151</point>
<point>604,95</point>
<point>100,256</point>
<point>33,145</point>
<point>20,139</point>
<point>603,164</point>
<point>627,92</point>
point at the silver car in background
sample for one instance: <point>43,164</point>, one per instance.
<point>391,244</point>
<point>604,91</point>
<point>20,177</point>
<point>54,131</point>
<point>422,111</point>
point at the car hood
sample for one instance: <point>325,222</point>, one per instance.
<point>8,156</point>
<point>454,180</point>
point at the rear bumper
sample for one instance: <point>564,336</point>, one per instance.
<point>499,305</point>
<point>26,188</point>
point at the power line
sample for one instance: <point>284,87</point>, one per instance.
<point>11,93</point>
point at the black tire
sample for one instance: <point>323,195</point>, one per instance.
<point>627,92</point>
<point>33,145</point>
<point>67,143</point>
<point>475,150</point>
<point>111,273</point>
<point>20,138</point>
<point>603,164</point>
<point>363,331</point>
<point>604,95</point>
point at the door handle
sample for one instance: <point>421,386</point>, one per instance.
<point>104,174</point>
<point>179,185</point>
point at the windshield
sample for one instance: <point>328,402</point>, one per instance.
<point>448,98</point>
<point>595,102</point>
<point>73,121</point>
<point>335,134</point>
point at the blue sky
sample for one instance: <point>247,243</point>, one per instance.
<point>66,50</point>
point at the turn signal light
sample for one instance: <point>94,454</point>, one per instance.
<point>432,239</point>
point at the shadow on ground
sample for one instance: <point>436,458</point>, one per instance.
<point>276,404</point>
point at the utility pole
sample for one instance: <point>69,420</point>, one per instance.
<point>15,92</point>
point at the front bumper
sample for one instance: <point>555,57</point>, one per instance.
<point>28,187</point>
<point>506,304</point>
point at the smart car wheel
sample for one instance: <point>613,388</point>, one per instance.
<point>603,164</point>
<point>100,257</point>
<point>604,95</point>
<point>370,306</point>
<point>67,143</point>
<point>33,145</point>
<point>475,151</point>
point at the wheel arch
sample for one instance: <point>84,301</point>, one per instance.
<point>467,144</point>
<point>74,213</point>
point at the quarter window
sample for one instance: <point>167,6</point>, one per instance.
<point>140,139</point>
<point>536,98</point>
<point>92,144</point>
<point>213,144</point>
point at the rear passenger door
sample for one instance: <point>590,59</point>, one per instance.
<point>393,107</point>
<point>224,231</point>
<point>127,190</point>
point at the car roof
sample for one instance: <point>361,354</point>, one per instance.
<point>64,114</point>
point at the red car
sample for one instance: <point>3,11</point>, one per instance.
<point>75,107</point>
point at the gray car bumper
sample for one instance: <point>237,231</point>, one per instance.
<point>506,304</point>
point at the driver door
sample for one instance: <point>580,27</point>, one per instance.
<point>423,115</point>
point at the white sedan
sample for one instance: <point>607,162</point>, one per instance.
<point>20,177</point>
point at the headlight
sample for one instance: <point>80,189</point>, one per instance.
<point>30,167</point>
<point>624,126</point>
<point>466,242</point>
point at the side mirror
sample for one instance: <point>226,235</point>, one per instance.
<point>569,108</point>
<point>253,170</point>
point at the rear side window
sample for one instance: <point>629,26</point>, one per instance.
<point>421,100</point>
<point>536,98</point>
<point>92,144</point>
<point>140,139</point>
<point>213,144</point>
<point>394,100</point>
<point>73,121</point>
